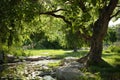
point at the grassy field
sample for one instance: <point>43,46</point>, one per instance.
<point>112,58</point>
<point>109,71</point>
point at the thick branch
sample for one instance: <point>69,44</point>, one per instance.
<point>111,6</point>
<point>115,14</point>
<point>52,13</point>
<point>62,17</point>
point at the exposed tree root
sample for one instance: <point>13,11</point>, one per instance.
<point>87,61</point>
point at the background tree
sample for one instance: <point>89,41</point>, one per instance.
<point>15,17</point>
<point>48,34</point>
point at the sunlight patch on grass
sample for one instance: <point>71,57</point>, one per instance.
<point>44,52</point>
<point>56,53</point>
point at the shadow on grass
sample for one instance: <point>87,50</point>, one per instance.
<point>106,71</point>
<point>117,62</point>
<point>71,54</point>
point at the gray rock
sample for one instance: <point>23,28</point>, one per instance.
<point>48,78</point>
<point>68,73</point>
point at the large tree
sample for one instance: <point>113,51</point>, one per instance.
<point>100,27</point>
<point>89,19</point>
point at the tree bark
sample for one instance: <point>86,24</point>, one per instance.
<point>99,30</point>
<point>96,47</point>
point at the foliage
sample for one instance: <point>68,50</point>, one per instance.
<point>47,35</point>
<point>14,16</point>
<point>27,20</point>
<point>111,36</point>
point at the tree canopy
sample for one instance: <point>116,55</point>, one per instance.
<point>80,21</point>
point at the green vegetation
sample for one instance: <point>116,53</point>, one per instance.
<point>29,26</point>
<point>108,55</point>
<point>60,23</point>
<point>55,53</point>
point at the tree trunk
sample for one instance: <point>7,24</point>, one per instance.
<point>96,47</point>
<point>99,30</point>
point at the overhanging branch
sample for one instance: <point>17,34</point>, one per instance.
<point>52,13</point>
<point>111,6</point>
<point>62,17</point>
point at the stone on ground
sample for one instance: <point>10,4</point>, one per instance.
<point>70,70</point>
<point>68,73</point>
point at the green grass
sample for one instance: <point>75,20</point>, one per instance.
<point>110,69</point>
<point>55,53</point>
